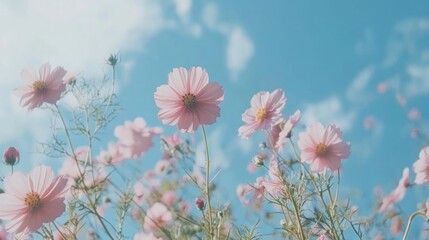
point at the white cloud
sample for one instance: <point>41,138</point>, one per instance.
<point>329,111</point>
<point>240,48</point>
<point>418,80</point>
<point>239,51</point>
<point>78,35</point>
<point>406,39</point>
<point>357,92</point>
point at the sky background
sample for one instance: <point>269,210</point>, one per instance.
<point>328,57</point>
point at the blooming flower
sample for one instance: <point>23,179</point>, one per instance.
<point>39,88</point>
<point>189,100</point>
<point>169,198</point>
<point>158,216</point>
<point>264,112</point>
<point>323,148</point>
<point>421,166</point>
<point>397,194</point>
<point>31,200</point>
<point>11,156</point>
<point>135,137</point>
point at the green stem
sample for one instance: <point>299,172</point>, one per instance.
<point>207,190</point>
<point>415,214</point>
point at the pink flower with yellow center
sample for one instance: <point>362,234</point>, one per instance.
<point>323,148</point>
<point>264,112</point>
<point>45,87</point>
<point>189,100</point>
<point>32,200</point>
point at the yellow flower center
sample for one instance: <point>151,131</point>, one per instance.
<point>189,100</point>
<point>32,200</point>
<point>322,150</point>
<point>261,114</point>
<point>39,86</point>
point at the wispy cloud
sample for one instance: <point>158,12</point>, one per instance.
<point>78,35</point>
<point>358,89</point>
<point>240,48</point>
<point>329,111</point>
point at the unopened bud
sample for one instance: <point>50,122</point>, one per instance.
<point>11,156</point>
<point>258,160</point>
<point>262,145</point>
<point>220,214</point>
<point>200,203</point>
<point>113,60</point>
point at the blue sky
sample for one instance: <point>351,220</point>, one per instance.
<point>327,56</point>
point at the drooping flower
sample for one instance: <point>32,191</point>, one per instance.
<point>323,148</point>
<point>285,131</point>
<point>398,193</point>
<point>32,200</point>
<point>11,156</point>
<point>45,87</point>
<point>189,100</point>
<point>135,137</point>
<point>158,216</point>
<point>264,112</point>
<point>274,185</point>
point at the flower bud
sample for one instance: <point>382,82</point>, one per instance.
<point>258,160</point>
<point>199,202</point>
<point>11,156</point>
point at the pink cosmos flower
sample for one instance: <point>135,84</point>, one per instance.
<point>264,112</point>
<point>32,200</point>
<point>382,87</point>
<point>158,216</point>
<point>286,131</point>
<point>39,88</point>
<point>397,194</point>
<point>421,167</point>
<point>274,186</point>
<point>368,122</point>
<point>145,236</point>
<point>189,100</point>
<point>415,132</point>
<point>396,226</point>
<point>136,137</point>
<point>242,190</point>
<point>323,148</point>
<point>169,198</point>
<point>114,155</point>
<point>140,192</point>
<point>414,114</point>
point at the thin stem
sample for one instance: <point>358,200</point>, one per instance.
<point>415,214</point>
<point>207,189</point>
<point>91,203</point>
